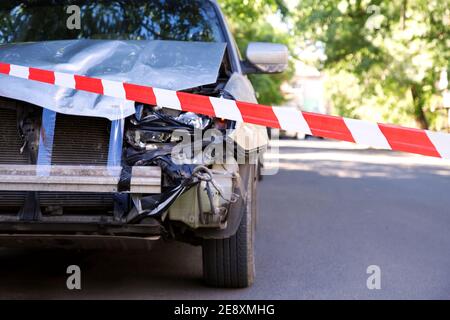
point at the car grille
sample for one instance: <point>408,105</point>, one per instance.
<point>10,141</point>
<point>77,141</point>
<point>80,141</point>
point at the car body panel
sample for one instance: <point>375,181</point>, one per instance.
<point>171,65</point>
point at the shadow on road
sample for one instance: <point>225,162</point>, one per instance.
<point>38,274</point>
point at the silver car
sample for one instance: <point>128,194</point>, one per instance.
<point>82,169</point>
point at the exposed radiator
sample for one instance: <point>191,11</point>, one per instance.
<point>10,141</point>
<point>77,141</point>
<point>80,140</point>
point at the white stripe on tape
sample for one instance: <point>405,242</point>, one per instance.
<point>19,71</point>
<point>65,80</point>
<point>226,109</point>
<point>113,89</point>
<point>367,133</point>
<point>291,119</point>
<point>441,141</point>
<point>167,98</point>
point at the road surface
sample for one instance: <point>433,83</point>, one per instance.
<point>331,211</point>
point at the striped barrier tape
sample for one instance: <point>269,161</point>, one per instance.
<point>384,136</point>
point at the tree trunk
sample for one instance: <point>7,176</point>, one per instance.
<point>403,13</point>
<point>418,102</point>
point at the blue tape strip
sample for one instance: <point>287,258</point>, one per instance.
<point>46,138</point>
<point>116,143</point>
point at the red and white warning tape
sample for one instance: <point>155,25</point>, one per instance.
<point>383,136</point>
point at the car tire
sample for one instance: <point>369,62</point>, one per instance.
<point>230,262</point>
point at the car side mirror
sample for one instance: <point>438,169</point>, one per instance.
<point>265,57</point>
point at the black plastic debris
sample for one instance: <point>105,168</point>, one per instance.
<point>150,140</point>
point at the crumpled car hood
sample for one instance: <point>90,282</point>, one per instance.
<point>173,65</point>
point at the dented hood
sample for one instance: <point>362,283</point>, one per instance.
<point>172,65</point>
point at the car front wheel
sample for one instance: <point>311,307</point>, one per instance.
<point>230,262</point>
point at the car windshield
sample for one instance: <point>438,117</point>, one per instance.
<point>46,20</point>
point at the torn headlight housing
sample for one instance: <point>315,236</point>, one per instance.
<point>152,136</point>
<point>194,120</point>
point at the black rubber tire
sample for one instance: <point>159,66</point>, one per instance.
<point>230,262</point>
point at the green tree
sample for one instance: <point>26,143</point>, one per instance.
<point>389,53</point>
<point>248,20</point>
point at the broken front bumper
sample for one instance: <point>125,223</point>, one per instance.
<point>74,179</point>
<point>192,208</point>
<point>77,179</point>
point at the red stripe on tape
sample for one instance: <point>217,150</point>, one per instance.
<point>42,75</point>
<point>5,68</point>
<point>196,103</point>
<point>258,114</point>
<point>328,126</point>
<point>88,84</point>
<point>139,93</point>
<point>408,140</point>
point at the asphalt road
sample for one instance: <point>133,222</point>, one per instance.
<point>331,211</point>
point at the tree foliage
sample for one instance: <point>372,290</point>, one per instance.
<point>389,54</point>
<point>248,20</point>
<point>382,57</point>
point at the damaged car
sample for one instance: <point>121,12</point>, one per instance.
<point>81,169</point>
